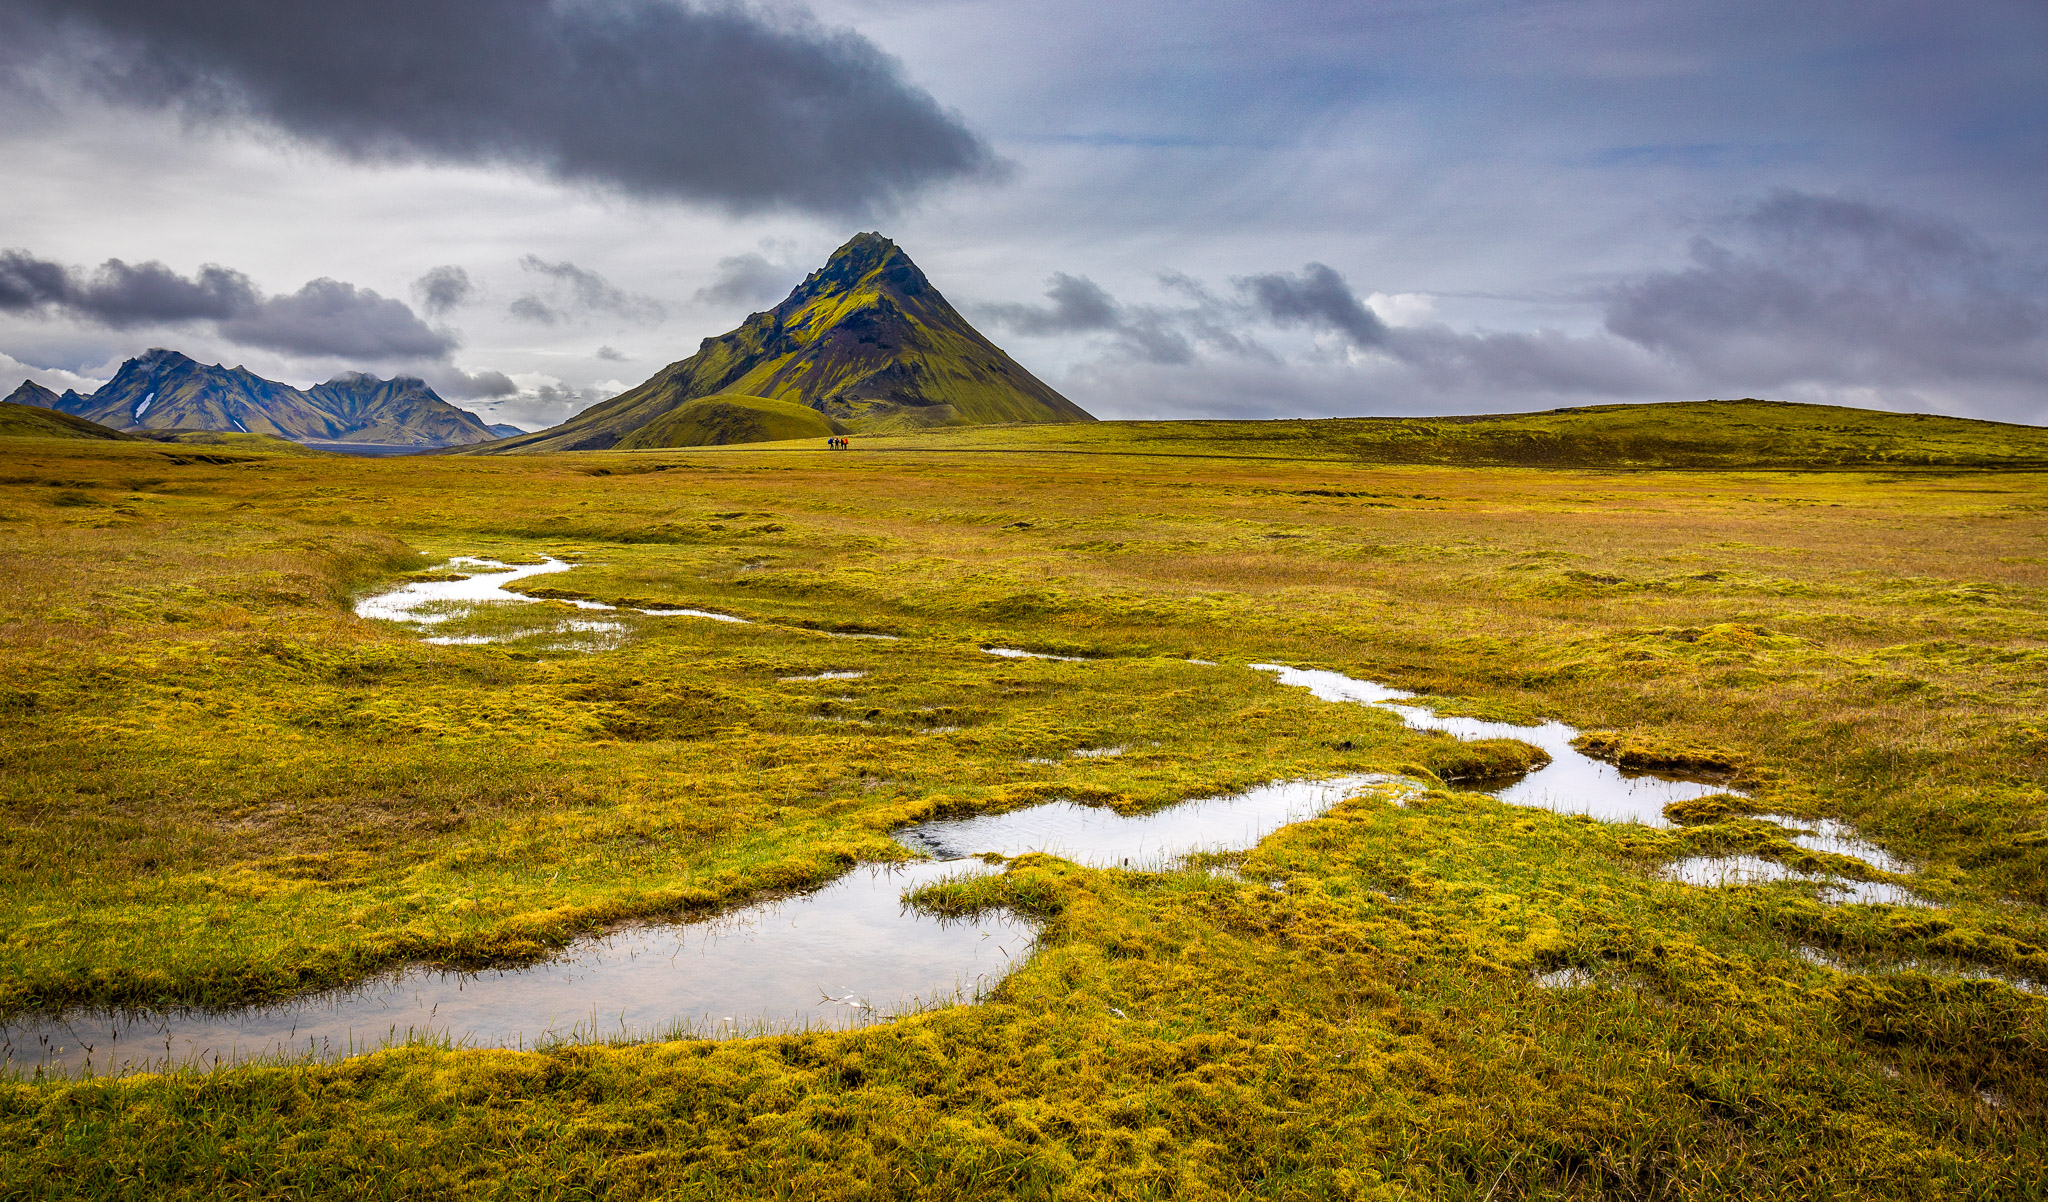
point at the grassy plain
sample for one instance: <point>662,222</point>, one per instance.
<point>219,785</point>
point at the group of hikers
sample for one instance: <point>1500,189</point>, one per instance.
<point>838,444</point>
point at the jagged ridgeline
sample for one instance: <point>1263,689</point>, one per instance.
<point>866,342</point>
<point>164,390</point>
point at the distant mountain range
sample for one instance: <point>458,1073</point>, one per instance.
<point>164,390</point>
<point>866,342</point>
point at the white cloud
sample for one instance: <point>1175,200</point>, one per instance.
<point>1403,308</point>
<point>13,371</point>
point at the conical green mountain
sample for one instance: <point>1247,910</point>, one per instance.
<point>866,341</point>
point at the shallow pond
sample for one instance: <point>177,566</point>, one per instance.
<point>1013,653</point>
<point>1572,782</point>
<point>1950,969</point>
<point>1838,838</point>
<point>430,602</point>
<point>427,602</point>
<point>838,957</point>
<point>1105,839</point>
<point>1721,871</point>
<point>844,955</point>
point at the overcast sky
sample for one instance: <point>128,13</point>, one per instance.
<point>1186,209</point>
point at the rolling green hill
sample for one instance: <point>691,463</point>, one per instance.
<point>866,341</point>
<point>234,440</point>
<point>1688,434</point>
<point>723,420</point>
<point>32,421</point>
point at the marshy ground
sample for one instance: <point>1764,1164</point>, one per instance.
<point>222,786</point>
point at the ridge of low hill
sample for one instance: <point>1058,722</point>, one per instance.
<point>866,341</point>
<point>164,390</point>
<point>232,440</point>
<point>724,420</point>
<point>34,421</point>
<point>1676,434</point>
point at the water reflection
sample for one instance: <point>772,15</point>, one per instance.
<point>1103,838</point>
<point>842,956</point>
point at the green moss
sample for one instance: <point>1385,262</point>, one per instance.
<point>1634,753</point>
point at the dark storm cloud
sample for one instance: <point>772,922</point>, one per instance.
<point>325,317</point>
<point>577,292</point>
<point>329,317</point>
<point>122,295</point>
<point>1816,288</point>
<point>720,103</point>
<point>1318,297</point>
<point>442,289</point>
<point>747,279</point>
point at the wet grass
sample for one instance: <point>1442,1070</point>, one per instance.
<point>220,785</point>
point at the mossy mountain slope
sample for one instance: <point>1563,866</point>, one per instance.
<point>718,421</point>
<point>164,390</point>
<point>866,340</point>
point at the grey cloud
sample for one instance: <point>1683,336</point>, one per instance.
<point>1076,305</point>
<point>1144,333</point>
<point>457,384</point>
<point>122,295</point>
<point>1238,388</point>
<point>329,317</point>
<point>577,292</point>
<point>1551,363</point>
<point>1317,297</point>
<point>724,104</point>
<point>612,354</point>
<point>442,289</point>
<point>1799,296</point>
<point>747,279</point>
<point>537,408</point>
<point>1151,337</point>
<point>325,317</point>
<point>1816,289</point>
<point>531,308</point>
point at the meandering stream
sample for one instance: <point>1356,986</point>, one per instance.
<point>848,953</point>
